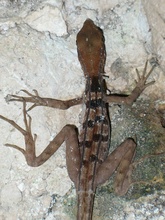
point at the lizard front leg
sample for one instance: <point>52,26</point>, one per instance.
<point>67,134</point>
<point>140,86</point>
<point>43,101</point>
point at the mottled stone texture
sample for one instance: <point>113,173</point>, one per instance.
<point>38,51</point>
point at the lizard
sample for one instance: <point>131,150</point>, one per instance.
<point>88,161</point>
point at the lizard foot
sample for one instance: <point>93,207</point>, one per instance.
<point>29,139</point>
<point>141,82</point>
<point>36,99</point>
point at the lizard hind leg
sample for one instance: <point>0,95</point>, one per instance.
<point>25,132</point>
<point>120,159</point>
<point>123,178</point>
<point>68,134</point>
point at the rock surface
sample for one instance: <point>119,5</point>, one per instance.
<point>38,51</point>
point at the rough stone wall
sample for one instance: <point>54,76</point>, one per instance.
<point>38,51</point>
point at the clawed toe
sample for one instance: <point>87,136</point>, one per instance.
<point>141,81</point>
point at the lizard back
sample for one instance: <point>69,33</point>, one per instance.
<point>95,134</point>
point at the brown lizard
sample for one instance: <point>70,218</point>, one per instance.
<point>87,159</point>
